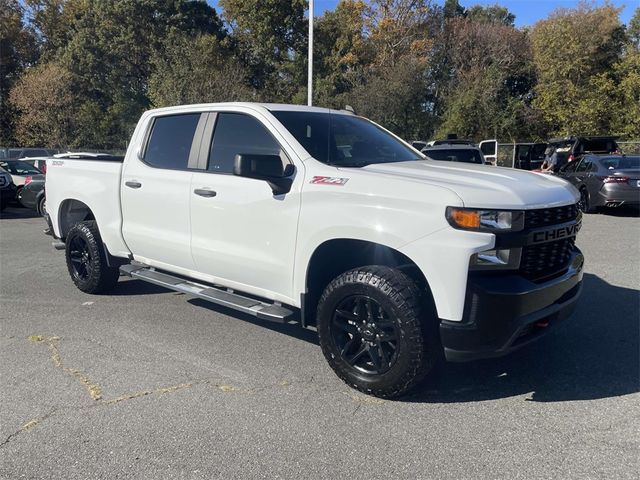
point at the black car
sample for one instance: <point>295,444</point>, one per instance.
<point>29,152</point>
<point>571,149</point>
<point>605,180</point>
<point>7,190</point>
<point>32,194</point>
<point>455,153</point>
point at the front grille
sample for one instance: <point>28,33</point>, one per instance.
<point>546,259</point>
<point>549,216</point>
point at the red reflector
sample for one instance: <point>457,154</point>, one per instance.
<point>614,179</point>
<point>27,180</point>
<point>542,324</point>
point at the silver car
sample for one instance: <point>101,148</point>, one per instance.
<point>605,180</point>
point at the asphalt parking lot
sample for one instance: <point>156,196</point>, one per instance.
<point>147,383</point>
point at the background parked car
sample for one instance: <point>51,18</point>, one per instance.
<point>605,180</point>
<point>19,171</point>
<point>39,162</point>
<point>455,153</point>
<point>7,190</point>
<point>572,148</point>
<point>30,152</point>
<point>32,194</point>
<point>523,155</point>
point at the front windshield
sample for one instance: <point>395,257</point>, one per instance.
<point>19,168</point>
<point>455,155</point>
<point>344,140</point>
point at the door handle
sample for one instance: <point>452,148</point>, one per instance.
<point>133,184</point>
<point>204,192</point>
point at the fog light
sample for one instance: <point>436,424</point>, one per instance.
<point>497,259</point>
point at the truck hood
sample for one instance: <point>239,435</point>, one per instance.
<point>485,186</point>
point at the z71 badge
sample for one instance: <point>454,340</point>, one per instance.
<point>329,181</point>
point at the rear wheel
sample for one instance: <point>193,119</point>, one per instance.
<point>584,203</point>
<point>42,206</point>
<point>87,261</point>
<point>374,332</point>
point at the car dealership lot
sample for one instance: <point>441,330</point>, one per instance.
<point>150,383</point>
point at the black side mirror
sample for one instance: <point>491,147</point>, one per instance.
<point>265,167</point>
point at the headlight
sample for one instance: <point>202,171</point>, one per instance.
<point>485,220</point>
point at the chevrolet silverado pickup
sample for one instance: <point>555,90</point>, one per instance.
<point>321,217</point>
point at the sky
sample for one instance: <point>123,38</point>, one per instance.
<point>527,12</point>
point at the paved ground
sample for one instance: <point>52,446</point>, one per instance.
<point>150,384</point>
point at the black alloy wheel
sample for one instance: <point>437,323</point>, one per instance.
<point>377,330</point>
<point>87,260</point>
<point>365,334</point>
<point>80,256</point>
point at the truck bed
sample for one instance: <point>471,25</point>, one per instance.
<point>92,183</point>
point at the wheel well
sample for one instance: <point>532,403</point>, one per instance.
<point>71,212</point>
<point>337,256</point>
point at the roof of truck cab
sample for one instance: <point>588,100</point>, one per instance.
<point>273,107</point>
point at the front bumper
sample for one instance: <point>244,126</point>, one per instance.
<point>505,312</point>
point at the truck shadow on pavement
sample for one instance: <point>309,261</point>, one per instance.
<point>594,354</point>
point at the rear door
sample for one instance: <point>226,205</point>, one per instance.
<point>156,191</point>
<point>489,149</point>
<point>243,235</point>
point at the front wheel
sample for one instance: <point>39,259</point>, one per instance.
<point>87,261</point>
<point>374,331</point>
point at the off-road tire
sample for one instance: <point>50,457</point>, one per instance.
<point>99,276</point>
<point>418,344</point>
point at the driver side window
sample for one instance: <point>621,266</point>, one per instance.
<point>237,133</point>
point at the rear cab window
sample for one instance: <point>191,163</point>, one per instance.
<point>170,141</point>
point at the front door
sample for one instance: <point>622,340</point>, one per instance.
<point>243,235</point>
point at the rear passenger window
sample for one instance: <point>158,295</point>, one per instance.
<point>237,133</point>
<point>170,141</point>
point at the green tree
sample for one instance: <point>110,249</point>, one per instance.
<point>452,9</point>
<point>575,52</point>
<point>489,92</point>
<point>391,85</point>
<point>45,100</point>
<point>626,120</point>
<point>17,51</point>
<point>491,14</point>
<point>633,29</point>
<point>272,40</point>
<point>341,52</point>
<point>108,48</point>
<point>181,76</point>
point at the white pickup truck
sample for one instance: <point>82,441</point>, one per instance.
<point>319,216</point>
